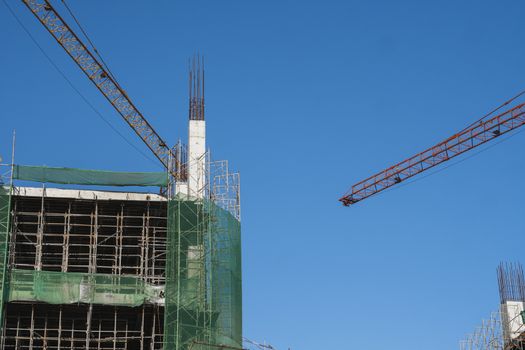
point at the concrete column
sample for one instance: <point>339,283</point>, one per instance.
<point>197,158</point>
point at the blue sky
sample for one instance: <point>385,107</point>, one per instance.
<point>305,98</point>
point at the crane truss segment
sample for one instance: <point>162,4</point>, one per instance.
<point>467,139</point>
<point>96,72</point>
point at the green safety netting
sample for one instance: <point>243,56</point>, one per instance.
<point>88,177</point>
<point>72,287</point>
<point>203,291</point>
<point>203,307</point>
<point>226,279</point>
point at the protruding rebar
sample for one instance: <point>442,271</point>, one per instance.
<point>511,282</point>
<point>196,88</point>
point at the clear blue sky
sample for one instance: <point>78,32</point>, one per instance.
<point>306,98</point>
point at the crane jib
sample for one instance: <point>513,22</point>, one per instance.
<point>104,82</point>
<point>469,138</point>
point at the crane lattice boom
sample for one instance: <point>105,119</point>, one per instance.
<point>103,80</point>
<point>469,138</point>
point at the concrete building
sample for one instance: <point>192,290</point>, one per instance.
<point>85,268</point>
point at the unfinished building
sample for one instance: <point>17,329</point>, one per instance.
<point>505,328</point>
<point>119,268</point>
<point>84,268</point>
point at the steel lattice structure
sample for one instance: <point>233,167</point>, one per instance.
<point>484,130</point>
<point>103,80</point>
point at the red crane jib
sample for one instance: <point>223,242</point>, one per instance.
<point>469,138</point>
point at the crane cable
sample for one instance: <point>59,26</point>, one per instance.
<point>63,75</point>
<point>471,155</point>
<point>454,163</point>
<point>90,41</point>
<point>480,120</point>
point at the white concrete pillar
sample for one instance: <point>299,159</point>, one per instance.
<point>197,158</point>
<point>513,325</point>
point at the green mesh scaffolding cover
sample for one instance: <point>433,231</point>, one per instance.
<point>5,209</point>
<point>88,177</point>
<point>203,277</point>
<point>72,287</point>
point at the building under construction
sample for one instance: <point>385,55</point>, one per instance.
<point>505,328</point>
<point>84,268</point>
<point>92,269</point>
<point>89,262</point>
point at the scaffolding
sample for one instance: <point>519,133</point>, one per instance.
<point>487,336</point>
<point>6,189</point>
<point>505,329</point>
<point>83,270</point>
<point>111,270</point>
<point>203,307</point>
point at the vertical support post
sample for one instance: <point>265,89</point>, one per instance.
<point>99,333</point>
<point>115,329</point>
<point>40,232</point>
<point>120,241</point>
<point>59,342</point>
<point>145,229</point>
<point>148,273</point>
<point>72,342</point>
<point>142,329</point>
<point>152,344</point>
<point>92,268</point>
<point>126,337</point>
<point>88,324</point>
<point>209,268</point>
<point>179,253</point>
<point>90,245</point>
<point>65,245</point>
<point>44,341</point>
<point>5,226</point>
<point>32,327</point>
<point>17,346</point>
<point>154,253</point>
<point>93,243</point>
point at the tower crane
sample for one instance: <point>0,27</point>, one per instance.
<point>100,76</point>
<point>489,127</point>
